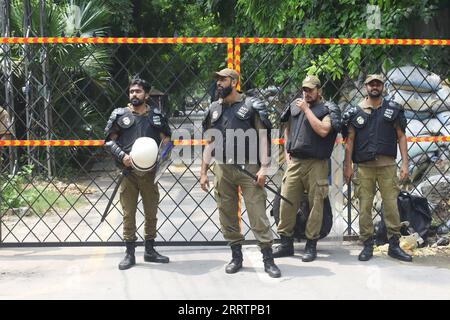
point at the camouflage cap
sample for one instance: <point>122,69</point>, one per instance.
<point>227,72</point>
<point>372,77</point>
<point>311,82</point>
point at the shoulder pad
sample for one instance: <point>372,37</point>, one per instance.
<point>118,112</point>
<point>255,103</point>
<point>259,106</point>
<point>331,106</point>
<point>348,114</point>
<point>335,115</point>
<point>359,119</point>
<point>215,110</point>
<point>394,105</point>
<point>126,119</point>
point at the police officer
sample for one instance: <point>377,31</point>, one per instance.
<point>124,126</point>
<point>375,127</point>
<point>312,126</point>
<point>234,113</point>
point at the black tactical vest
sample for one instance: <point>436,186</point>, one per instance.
<point>239,115</point>
<point>147,125</point>
<point>303,142</point>
<point>375,132</point>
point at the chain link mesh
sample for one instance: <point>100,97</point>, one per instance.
<point>56,195</point>
<point>418,79</point>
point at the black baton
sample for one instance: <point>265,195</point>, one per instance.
<point>119,181</point>
<point>243,170</point>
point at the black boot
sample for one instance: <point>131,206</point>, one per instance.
<point>367,251</point>
<point>129,259</point>
<point>236,262</point>
<point>285,249</point>
<point>269,265</point>
<point>151,255</point>
<point>396,252</point>
<point>310,251</point>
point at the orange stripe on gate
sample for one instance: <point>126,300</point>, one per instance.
<point>230,54</point>
<point>189,142</point>
<point>237,61</point>
<point>110,40</point>
<point>224,40</point>
<point>51,143</point>
<point>345,41</point>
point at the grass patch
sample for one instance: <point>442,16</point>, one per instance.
<point>23,191</point>
<point>41,199</point>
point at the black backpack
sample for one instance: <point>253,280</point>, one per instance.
<point>413,209</point>
<point>302,217</point>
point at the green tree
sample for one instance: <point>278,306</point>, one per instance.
<point>338,18</point>
<point>77,75</point>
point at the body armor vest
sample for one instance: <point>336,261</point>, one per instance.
<point>240,115</point>
<point>303,142</point>
<point>148,125</point>
<point>375,132</point>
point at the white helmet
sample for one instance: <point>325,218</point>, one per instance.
<point>144,154</point>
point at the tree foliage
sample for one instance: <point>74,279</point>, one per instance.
<point>94,78</point>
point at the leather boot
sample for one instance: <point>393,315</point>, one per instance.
<point>310,251</point>
<point>151,255</point>
<point>236,259</point>
<point>367,251</point>
<point>285,249</point>
<point>396,252</point>
<point>129,259</point>
<point>269,265</point>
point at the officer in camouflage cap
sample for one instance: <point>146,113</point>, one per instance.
<point>312,126</point>
<point>234,113</point>
<point>375,127</point>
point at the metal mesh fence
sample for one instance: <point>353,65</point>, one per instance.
<point>417,78</point>
<point>58,194</point>
<point>55,91</point>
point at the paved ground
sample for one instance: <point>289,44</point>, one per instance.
<point>198,273</point>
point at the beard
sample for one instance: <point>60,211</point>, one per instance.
<point>136,102</point>
<point>374,94</point>
<point>312,100</point>
<point>224,92</point>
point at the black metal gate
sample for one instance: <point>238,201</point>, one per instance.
<point>65,88</point>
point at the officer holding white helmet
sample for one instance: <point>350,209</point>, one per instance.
<point>133,135</point>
